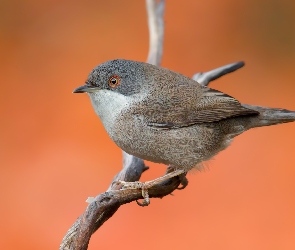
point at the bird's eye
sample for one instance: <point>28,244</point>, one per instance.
<point>114,81</point>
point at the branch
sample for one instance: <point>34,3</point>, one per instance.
<point>205,78</point>
<point>106,204</point>
<point>103,206</point>
<point>155,13</point>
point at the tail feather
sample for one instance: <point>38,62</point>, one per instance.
<point>270,116</point>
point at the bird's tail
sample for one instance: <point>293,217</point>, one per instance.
<point>269,116</point>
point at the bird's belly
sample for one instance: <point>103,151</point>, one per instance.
<point>182,148</point>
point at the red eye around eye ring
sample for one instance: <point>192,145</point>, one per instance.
<point>114,81</point>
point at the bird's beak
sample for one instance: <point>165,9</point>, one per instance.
<point>85,88</point>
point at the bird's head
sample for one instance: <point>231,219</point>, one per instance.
<point>121,76</point>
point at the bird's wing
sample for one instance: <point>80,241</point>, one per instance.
<point>183,105</point>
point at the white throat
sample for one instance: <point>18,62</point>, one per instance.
<point>107,105</point>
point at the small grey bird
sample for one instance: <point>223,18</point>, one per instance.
<point>165,117</point>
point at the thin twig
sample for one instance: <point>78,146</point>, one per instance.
<point>155,11</point>
<point>205,77</point>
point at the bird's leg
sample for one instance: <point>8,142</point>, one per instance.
<point>144,186</point>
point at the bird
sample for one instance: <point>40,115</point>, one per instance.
<point>165,117</point>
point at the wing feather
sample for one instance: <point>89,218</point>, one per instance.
<point>174,101</point>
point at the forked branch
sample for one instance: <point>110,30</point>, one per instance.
<point>103,206</point>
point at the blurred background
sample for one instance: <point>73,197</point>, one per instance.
<point>54,152</point>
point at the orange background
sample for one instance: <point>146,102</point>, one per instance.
<point>55,152</point>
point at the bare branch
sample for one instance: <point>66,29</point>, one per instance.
<point>155,12</point>
<point>132,169</point>
<point>106,204</point>
<point>103,206</point>
<point>205,78</point>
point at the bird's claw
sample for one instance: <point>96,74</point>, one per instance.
<point>146,198</point>
<point>144,186</point>
<point>137,185</point>
<point>183,183</point>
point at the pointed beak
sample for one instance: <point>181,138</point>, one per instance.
<point>85,88</point>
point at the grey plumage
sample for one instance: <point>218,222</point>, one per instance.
<point>165,117</point>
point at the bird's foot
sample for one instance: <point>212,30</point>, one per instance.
<point>183,183</point>
<point>182,177</point>
<point>144,186</point>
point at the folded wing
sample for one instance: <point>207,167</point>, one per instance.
<point>175,105</point>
